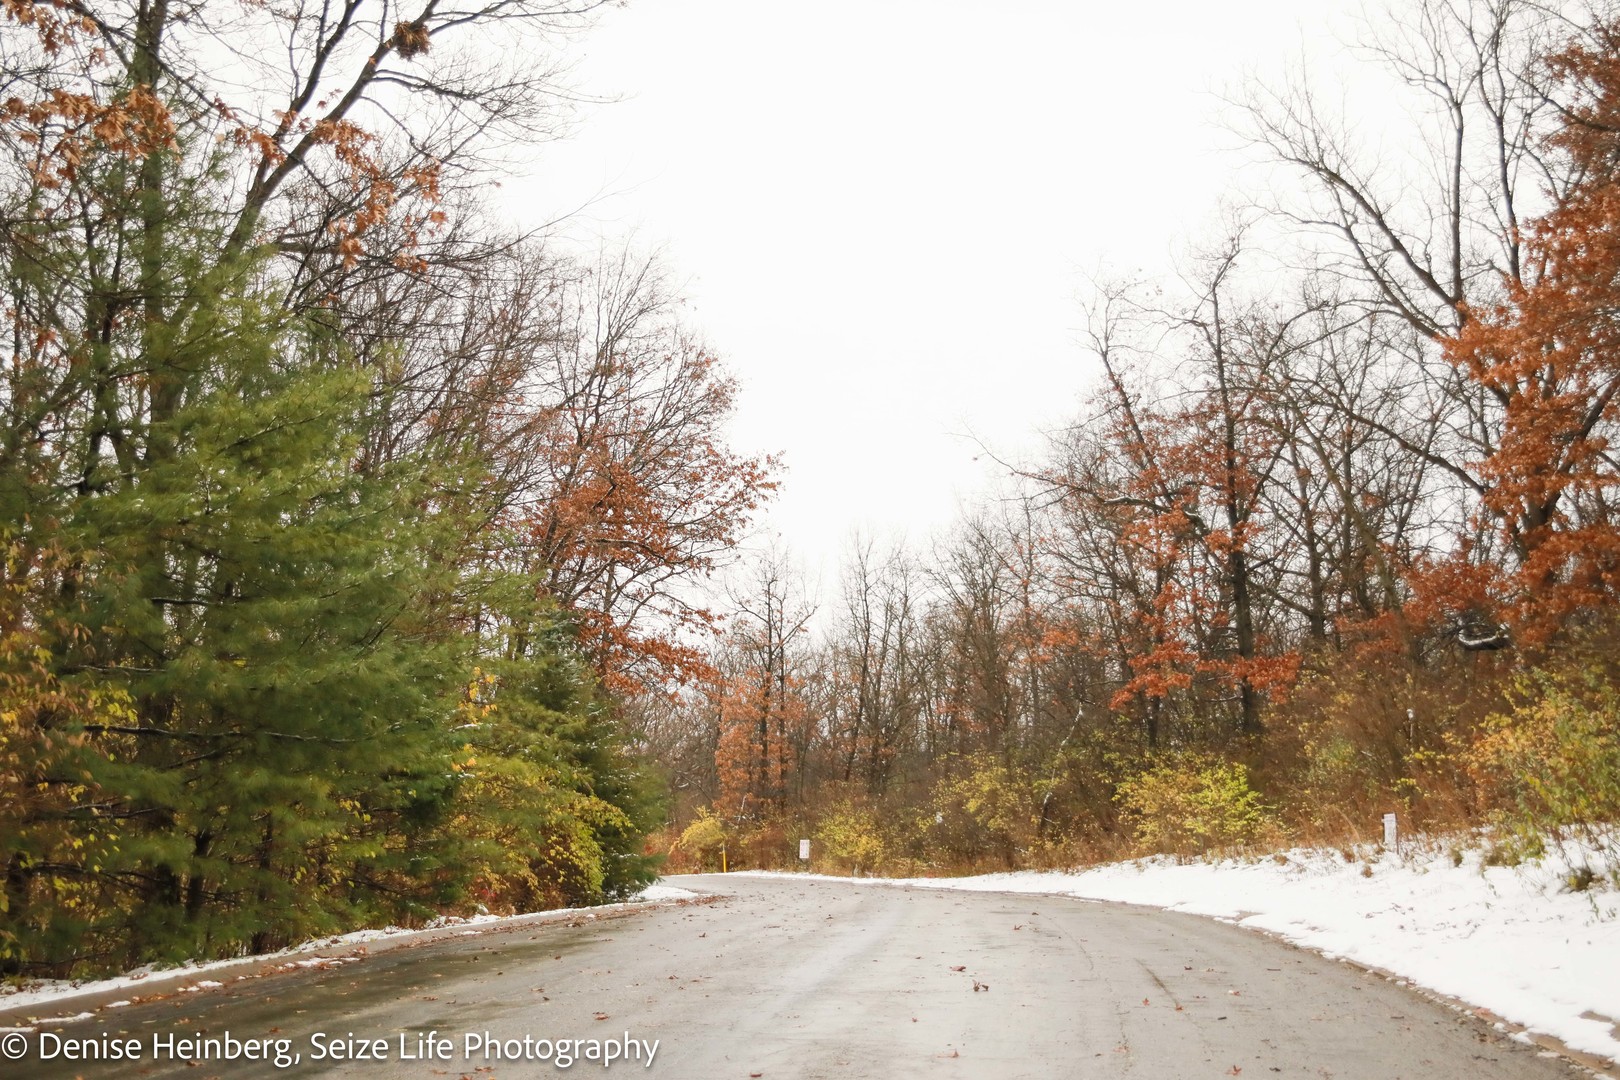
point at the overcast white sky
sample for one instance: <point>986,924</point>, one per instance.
<point>884,210</point>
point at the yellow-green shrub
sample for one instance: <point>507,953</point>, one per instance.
<point>1191,804</point>
<point>850,837</point>
<point>1553,759</point>
<point>704,838</point>
<point>985,808</point>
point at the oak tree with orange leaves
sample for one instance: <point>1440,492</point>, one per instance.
<point>632,494</point>
<point>758,699</point>
<point>1549,357</point>
<point>1178,478</point>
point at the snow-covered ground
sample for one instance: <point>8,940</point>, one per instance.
<point>1516,942</point>
<point>323,952</point>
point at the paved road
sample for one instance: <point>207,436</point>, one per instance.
<point>786,979</point>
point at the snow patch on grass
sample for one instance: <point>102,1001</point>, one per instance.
<point>665,892</point>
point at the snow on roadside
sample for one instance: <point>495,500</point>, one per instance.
<point>51,990</point>
<point>1514,941</point>
<point>665,892</point>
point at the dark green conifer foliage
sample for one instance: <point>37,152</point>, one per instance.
<point>256,600</point>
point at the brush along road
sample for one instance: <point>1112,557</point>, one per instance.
<point>784,978</point>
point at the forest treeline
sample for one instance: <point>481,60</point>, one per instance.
<point>1336,534</point>
<point>356,546</point>
<point>338,519</point>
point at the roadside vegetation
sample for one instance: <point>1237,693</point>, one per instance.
<point>1334,536</point>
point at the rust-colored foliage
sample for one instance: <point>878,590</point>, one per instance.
<point>1549,356</point>
<point>1181,493</point>
<point>758,716</point>
<point>639,491</point>
<point>91,96</point>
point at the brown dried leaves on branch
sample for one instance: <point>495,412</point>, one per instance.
<point>1548,357</point>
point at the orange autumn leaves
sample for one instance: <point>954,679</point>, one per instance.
<point>89,95</point>
<point>1549,357</point>
<point>66,128</point>
<point>760,721</point>
<point>638,495</point>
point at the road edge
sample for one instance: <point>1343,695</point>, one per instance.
<point>78,1003</point>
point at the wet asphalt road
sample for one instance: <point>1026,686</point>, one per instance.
<point>785,979</point>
